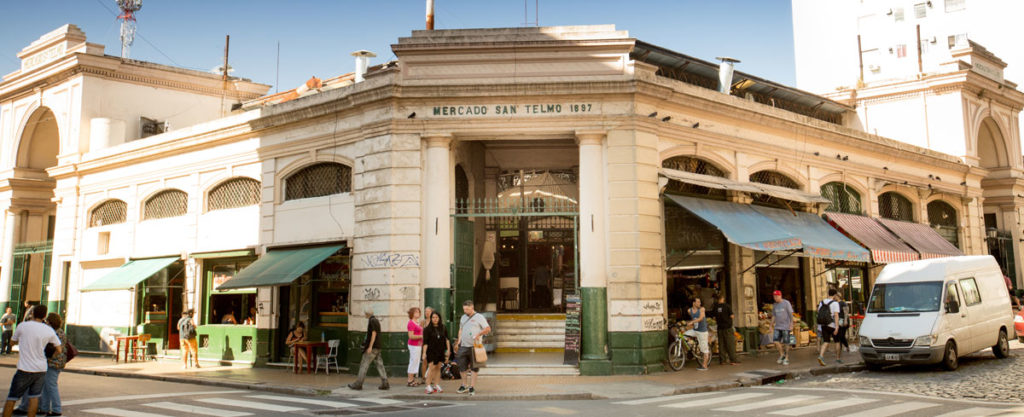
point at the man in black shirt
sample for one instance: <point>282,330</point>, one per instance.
<point>371,353</point>
<point>726,336</point>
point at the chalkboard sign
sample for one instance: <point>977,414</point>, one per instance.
<point>572,329</point>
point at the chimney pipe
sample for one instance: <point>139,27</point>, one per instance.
<point>430,14</point>
<point>362,62</point>
<point>725,73</point>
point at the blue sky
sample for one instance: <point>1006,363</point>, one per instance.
<point>317,36</point>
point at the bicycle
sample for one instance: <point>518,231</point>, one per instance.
<point>681,347</point>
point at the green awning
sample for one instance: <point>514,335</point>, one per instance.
<point>279,267</point>
<point>129,275</point>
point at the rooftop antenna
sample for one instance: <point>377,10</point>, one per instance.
<point>127,18</point>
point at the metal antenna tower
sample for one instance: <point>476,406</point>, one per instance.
<point>127,18</point>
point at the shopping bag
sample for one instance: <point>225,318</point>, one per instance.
<point>479,354</point>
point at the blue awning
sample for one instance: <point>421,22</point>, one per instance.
<point>819,239</point>
<point>740,223</point>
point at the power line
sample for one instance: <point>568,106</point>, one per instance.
<point>113,13</point>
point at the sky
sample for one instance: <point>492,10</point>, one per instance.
<point>316,37</point>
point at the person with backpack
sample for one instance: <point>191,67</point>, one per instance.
<point>828,324</point>
<point>187,337</point>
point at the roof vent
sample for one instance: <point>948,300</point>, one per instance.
<point>725,73</point>
<point>362,62</point>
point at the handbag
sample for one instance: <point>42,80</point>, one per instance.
<point>479,353</point>
<point>72,352</point>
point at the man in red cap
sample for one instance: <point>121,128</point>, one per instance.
<point>782,320</point>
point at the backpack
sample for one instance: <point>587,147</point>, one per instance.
<point>450,370</point>
<point>824,316</point>
<point>187,330</point>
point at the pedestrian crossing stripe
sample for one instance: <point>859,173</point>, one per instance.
<point>895,409</point>
<point>251,404</point>
<point>117,412</point>
<point>718,400</point>
<point>818,408</point>
<point>769,403</point>
<point>378,401</point>
<point>195,409</point>
<point>324,403</point>
<point>653,400</point>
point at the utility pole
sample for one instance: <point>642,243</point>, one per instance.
<point>224,74</point>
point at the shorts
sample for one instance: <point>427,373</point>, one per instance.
<point>31,382</point>
<point>827,335</point>
<point>784,337</point>
<point>702,340</point>
<point>189,345</point>
<point>464,357</point>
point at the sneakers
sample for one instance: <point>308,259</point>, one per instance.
<point>354,386</point>
<point>785,361</point>
<point>429,389</point>
<point>462,389</point>
<point>821,360</point>
<point>472,391</point>
<point>702,368</point>
<point>437,389</point>
<point>781,358</point>
<point>384,386</point>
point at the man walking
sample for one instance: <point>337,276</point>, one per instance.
<point>782,320</point>
<point>187,337</point>
<point>472,327</point>
<point>828,324</point>
<point>7,320</point>
<point>32,337</point>
<point>371,353</point>
<point>726,333</point>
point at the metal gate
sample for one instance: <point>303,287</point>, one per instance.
<point>20,271</point>
<point>510,215</point>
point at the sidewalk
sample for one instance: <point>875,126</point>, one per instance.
<point>753,371</point>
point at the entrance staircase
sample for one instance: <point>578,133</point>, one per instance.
<point>529,344</point>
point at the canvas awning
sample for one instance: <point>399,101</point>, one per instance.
<point>819,240</point>
<point>129,275</point>
<point>741,224</point>
<point>922,238</point>
<point>280,267</point>
<point>884,246</point>
<point>719,183</point>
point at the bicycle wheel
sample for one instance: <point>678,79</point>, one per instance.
<point>676,355</point>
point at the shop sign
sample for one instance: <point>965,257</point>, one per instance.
<point>573,329</point>
<point>511,110</point>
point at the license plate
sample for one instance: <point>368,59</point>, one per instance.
<point>892,356</point>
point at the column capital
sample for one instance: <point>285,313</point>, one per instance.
<point>590,137</point>
<point>437,140</point>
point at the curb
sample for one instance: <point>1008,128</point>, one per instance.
<point>500,397</point>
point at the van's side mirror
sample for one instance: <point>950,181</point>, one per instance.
<point>952,307</point>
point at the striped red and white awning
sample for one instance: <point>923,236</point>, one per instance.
<point>884,246</point>
<point>922,238</point>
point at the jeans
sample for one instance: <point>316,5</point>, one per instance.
<point>726,345</point>
<point>50,400</point>
<point>364,365</point>
<point>5,345</point>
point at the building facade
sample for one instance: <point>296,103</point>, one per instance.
<point>533,170</point>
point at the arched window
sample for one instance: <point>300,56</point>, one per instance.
<point>843,198</point>
<point>894,206</point>
<point>942,218</point>
<point>236,192</point>
<point>110,212</point>
<point>318,180</point>
<point>771,178</point>
<point>461,190</point>
<point>169,203</point>
<point>696,166</point>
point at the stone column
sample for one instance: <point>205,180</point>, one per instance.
<point>593,262</point>
<point>437,239</point>
<point>10,234</point>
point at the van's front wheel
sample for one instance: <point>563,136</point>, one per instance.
<point>1002,347</point>
<point>949,360</point>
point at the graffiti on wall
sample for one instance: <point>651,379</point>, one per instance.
<point>390,260</point>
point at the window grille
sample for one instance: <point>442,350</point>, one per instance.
<point>110,212</point>
<point>318,180</point>
<point>170,203</point>
<point>942,217</point>
<point>920,10</point>
<point>896,207</point>
<point>843,198</point>
<point>771,178</point>
<point>696,166</point>
<point>237,192</point>
<point>955,5</point>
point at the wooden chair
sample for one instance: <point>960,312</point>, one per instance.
<point>141,347</point>
<point>330,357</point>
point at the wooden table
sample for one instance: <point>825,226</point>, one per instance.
<point>128,346</point>
<point>310,354</point>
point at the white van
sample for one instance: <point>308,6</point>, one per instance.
<point>936,311</point>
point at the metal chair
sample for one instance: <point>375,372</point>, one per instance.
<point>142,347</point>
<point>330,357</point>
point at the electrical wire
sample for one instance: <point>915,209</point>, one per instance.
<point>139,35</point>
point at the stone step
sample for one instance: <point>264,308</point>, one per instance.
<point>529,324</point>
<point>530,317</point>
<point>529,330</point>
<point>531,344</point>
<point>536,339</point>
<point>529,370</point>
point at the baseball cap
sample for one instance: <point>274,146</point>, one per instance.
<point>777,292</point>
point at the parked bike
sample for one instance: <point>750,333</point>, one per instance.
<point>681,347</point>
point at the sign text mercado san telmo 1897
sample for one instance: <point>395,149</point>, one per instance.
<point>512,109</point>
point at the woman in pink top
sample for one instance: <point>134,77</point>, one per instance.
<point>415,345</point>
